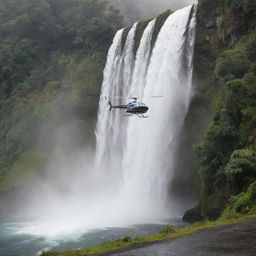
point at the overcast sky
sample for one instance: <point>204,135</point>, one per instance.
<point>141,9</point>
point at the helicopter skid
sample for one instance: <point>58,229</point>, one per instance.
<point>139,115</point>
<point>142,116</point>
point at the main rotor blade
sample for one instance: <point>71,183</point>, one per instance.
<point>157,97</point>
<point>91,95</point>
<point>103,97</point>
<point>118,97</point>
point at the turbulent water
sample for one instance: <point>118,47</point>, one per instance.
<point>127,183</point>
<point>16,244</point>
<point>139,153</point>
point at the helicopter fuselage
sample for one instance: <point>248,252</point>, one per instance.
<point>135,108</point>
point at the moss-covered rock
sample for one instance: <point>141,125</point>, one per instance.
<point>141,26</point>
<point>139,33</point>
<point>193,215</point>
<point>159,23</point>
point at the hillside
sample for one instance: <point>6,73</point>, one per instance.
<point>52,55</point>
<point>224,109</point>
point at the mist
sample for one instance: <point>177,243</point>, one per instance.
<point>134,10</point>
<point>71,196</point>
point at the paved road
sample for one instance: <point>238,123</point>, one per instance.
<point>235,240</point>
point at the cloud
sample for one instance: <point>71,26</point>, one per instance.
<point>134,10</point>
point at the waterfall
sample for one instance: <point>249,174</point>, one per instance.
<point>139,154</point>
<point>127,182</point>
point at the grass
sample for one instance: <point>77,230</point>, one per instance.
<point>168,233</point>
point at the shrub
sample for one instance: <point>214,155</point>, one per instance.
<point>244,203</point>
<point>126,239</point>
<point>246,6</point>
<point>241,169</point>
<point>168,230</point>
<point>232,64</point>
<point>249,6</point>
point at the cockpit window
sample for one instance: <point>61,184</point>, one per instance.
<point>136,104</point>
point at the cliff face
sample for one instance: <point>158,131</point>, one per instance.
<point>221,122</point>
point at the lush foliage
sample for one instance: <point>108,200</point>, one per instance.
<point>52,54</point>
<point>228,151</point>
<point>244,203</point>
<point>245,6</point>
<point>241,170</point>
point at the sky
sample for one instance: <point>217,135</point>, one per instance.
<point>135,10</point>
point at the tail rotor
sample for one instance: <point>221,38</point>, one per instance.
<point>110,106</point>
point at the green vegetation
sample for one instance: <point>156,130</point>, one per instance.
<point>52,54</point>
<point>244,203</point>
<point>166,234</point>
<point>227,153</point>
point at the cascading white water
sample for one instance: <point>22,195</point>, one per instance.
<point>141,152</point>
<point>117,78</point>
<point>138,80</point>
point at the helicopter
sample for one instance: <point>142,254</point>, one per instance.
<point>133,108</point>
